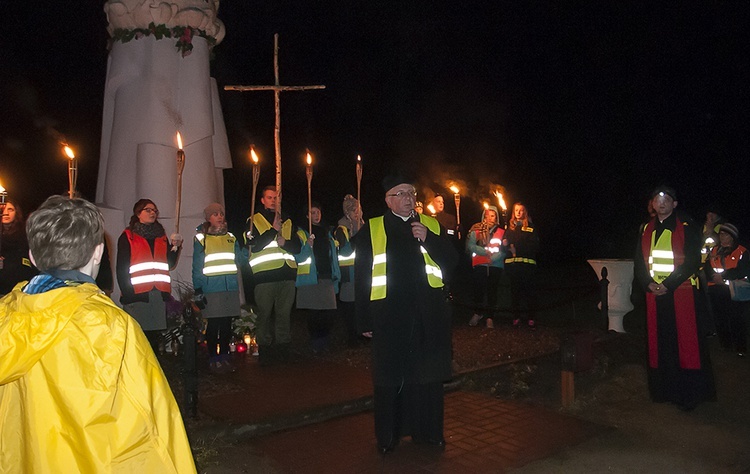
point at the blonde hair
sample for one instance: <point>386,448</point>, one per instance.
<point>525,222</point>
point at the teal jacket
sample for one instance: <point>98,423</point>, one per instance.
<point>215,283</point>
<point>311,277</point>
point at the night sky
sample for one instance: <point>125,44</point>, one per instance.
<point>577,110</point>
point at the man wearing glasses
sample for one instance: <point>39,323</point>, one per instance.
<point>401,261</point>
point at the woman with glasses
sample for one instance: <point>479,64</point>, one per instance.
<point>144,258</point>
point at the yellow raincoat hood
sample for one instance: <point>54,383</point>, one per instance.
<point>81,389</point>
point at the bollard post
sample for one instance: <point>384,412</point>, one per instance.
<point>190,366</point>
<point>576,355</point>
<point>567,369</point>
<point>604,294</point>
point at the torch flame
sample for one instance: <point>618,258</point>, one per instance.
<point>309,159</point>
<point>253,155</point>
<point>359,158</point>
<point>500,200</point>
<point>431,208</point>
<point>69,152</point>
<point>454,189</point>
<point>486,205</point>
<point>2,189</point>
<point>179,141</point>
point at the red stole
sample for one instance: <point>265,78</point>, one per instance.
<point>684,305</point>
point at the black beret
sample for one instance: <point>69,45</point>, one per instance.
<point>393,180</point>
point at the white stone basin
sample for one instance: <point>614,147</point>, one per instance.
<point>620,276</point>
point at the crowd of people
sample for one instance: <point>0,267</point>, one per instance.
<point>387,279</point>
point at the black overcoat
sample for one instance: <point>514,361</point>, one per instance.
<point>411,327</point>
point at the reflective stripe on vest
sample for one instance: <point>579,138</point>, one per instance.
<point>495,246</point>
<point>271,257</point>
<point>661,258</point>
<point>520,260</point>
<point>148,270</point>
<point>379,241</point>
<point>219,251</point>
<point>346,261</point>
<point>730,261</point>
<point>303,268</point>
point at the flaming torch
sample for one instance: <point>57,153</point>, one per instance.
<point>359,176</point>
<point>3,195</point>
<point>501,202</point>
<point>431,209</point>
<point>180,168</point>
<point>309,173</point>
<point>72,170</point>
<point>256,174</point>
<point>457,199</point>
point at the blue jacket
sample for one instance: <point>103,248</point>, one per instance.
<point>215,283</point>
<point>311,278</point>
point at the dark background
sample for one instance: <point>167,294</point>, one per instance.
<point>578,110</point>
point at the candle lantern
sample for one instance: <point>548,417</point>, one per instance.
<point>309,173</point>
<point>72,170</point>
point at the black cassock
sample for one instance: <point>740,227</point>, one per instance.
<point>411,326</point>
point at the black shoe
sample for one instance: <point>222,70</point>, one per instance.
<point>438,443</point>
<point>388,448</point>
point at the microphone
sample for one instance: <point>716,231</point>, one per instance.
<point>413,217</point>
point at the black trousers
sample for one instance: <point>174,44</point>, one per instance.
<point>218,332</point>
<point>486,283</point>
<point>410,410</point>
<point>523,288</point>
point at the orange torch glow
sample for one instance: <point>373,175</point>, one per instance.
<point>179,141</point>
<point>69,152</point>
<point>486,205</point>
<point>500,200</point>
<point>253,155</point>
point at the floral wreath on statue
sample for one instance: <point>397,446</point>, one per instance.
<point>184,35</point>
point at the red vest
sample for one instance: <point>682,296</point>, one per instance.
<point>494,246</point>
<point>728,262</point>
<point>147,270</point>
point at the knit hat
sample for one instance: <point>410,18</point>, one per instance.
<point>730,229</point>
<point>350,204</point>
<point>492,208</point>
<point>213,208</point>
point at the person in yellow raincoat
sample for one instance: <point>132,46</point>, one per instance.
<point>80,387</point>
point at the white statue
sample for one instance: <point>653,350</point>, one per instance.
<point>153,90</point>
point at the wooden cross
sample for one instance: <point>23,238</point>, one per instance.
<point>277,90</point>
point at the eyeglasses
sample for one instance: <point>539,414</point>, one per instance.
<point>403,194</point>
<point>150,210</point>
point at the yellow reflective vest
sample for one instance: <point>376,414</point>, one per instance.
<point>271,257</point>
<point>379,241</point>
<point>219,254</point>
<point>81,389</point>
